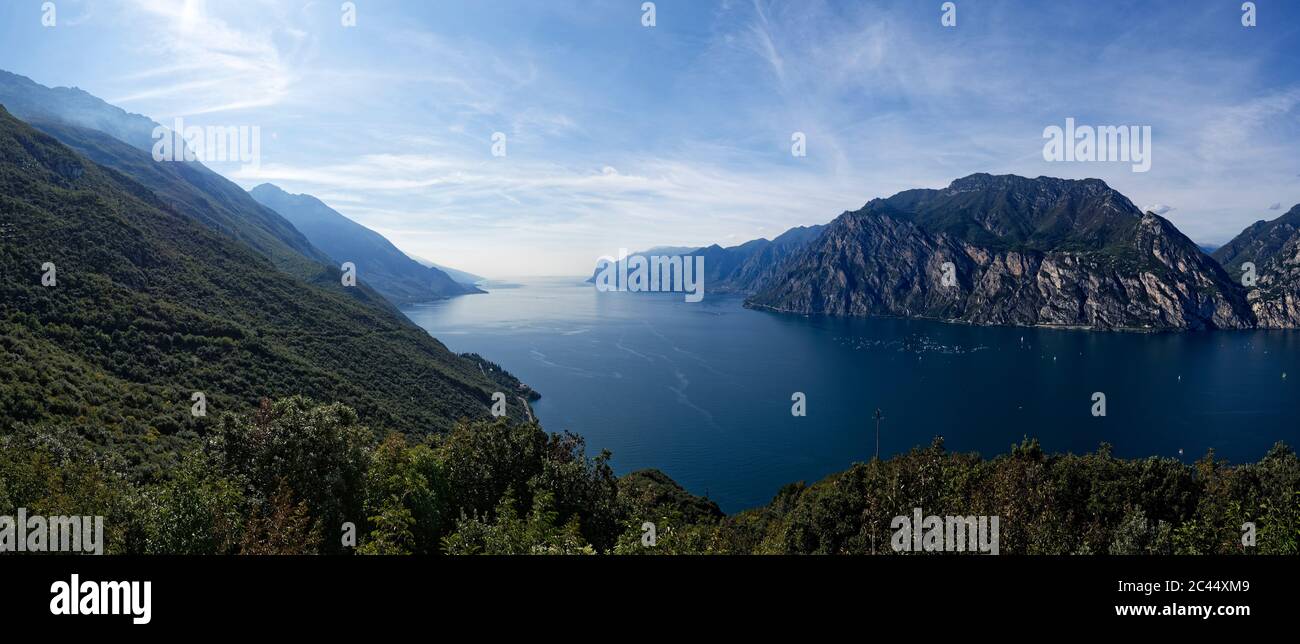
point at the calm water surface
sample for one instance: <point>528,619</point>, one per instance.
<point>703,390</point>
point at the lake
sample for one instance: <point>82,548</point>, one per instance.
<point>703,390</point>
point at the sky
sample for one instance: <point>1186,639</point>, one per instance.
<point>622,135</point>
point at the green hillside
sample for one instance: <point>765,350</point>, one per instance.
<point>150,306</point>
<point>111,137</point>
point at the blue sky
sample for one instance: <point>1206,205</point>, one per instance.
<point>619,135</point>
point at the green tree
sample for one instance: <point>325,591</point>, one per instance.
<point>406,499</point>
<point>196,512</point>
<point>318,452</point>
<point>537,533</point>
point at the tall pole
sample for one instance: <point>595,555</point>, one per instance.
<point>879,417</point>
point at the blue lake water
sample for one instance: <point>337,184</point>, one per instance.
<point>703,390</point>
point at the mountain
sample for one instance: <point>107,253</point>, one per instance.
<point>1259,242</point>
<point>26,98</point>
<point>149,305</point>
<point>113,138</point>
<point>648,253</point>
<point>1022,251</point>
<point>739,269</point>
<point>379,263</point>
<point>763,260</point>
<point>461,277</point>
<point>1274,248</point>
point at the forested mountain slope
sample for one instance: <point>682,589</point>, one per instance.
<point>149,305</point>
<point>116,139</point>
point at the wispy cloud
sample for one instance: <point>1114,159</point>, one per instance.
<point>625,136</point>
<point>576,214</point>
<point>206,64</point>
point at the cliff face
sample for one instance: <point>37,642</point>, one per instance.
<point>1017,252</point>
<point>1259,242</point>
<point>1276,299</point>
<point>1274,248</point>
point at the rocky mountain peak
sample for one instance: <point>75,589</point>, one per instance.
<point>1020,251</point>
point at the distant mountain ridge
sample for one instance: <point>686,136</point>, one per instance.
<point>379,263</point>
<point>737,269</point>
<point>468,279</point>
<point>1009,250</point>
